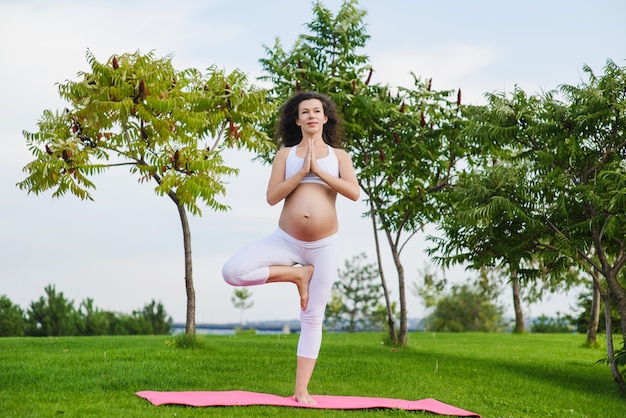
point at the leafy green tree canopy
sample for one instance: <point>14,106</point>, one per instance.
<point>137,110</point>
<point>558,159</point>
<point>357,297</point>
<point>11,318</point>
<point>467,309</point>
<point>52,315</point>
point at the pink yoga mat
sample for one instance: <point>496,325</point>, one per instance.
<point>242,398</point>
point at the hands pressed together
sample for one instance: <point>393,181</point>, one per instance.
<point>309,164</point>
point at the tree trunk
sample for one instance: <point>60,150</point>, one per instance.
<point>610,349</point>
<point>594,314</point>
<point>393,336</point>
<point>190,324</point>
<point>404,328</point>
<point>402,336</point>
<point>613,290</point>
<point>520,327</point>
<point>620,299</point>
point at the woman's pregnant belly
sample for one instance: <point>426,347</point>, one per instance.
<point>309,212</point>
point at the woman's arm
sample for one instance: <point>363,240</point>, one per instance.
<point>278,188</point>
<point>346,184</point>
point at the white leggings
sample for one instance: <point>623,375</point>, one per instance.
<point>250,266</point>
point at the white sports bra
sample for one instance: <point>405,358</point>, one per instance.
<point>329,164</point>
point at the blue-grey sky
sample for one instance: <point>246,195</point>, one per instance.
<point>125,248</point>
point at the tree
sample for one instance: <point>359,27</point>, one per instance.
<point>404,146</point>
<point>430,291</point>
<point>467,309</point>
<point>590,304</point>
<point>149,320</point>
<point>156,317</point>
<point>405,163</point>
<point>358,297</point>
<point>11,318</point>
<point>560,324</point>
<point>240,301</point>
<point>93,321</point>
<point>573,147</point>
<point>52,316</point>
<point>167,126</point>
<point>584,317</point>
<point>486,225</point>
<point>594,311</point>
<point>334,309</point>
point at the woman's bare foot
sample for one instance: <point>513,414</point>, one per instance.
<point>303,397</point>
<point>303,283</point>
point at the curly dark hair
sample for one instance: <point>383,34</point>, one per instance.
<point>290,134</point>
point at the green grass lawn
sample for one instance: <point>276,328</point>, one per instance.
<point>495,375</point>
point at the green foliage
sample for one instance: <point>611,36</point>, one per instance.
<point>410,157</point>
<point>245,331</point>
<point>95,321</point>
<point>136,110</point>
<point>429,291</point>
<point>491,222</point>
<point>240,300</point>
<point>545,325</point>
<point>550,186</point>
<point>486,222</point>
<point>167,126</point>
<point>156,318</point>
<point>11,318</point>
<point>325,60</point>
<point>618,358</point>
<point>465,309</point>
<point>572,156</point>
<point>580,319</point>
<point>54,315</point>
<point>356,301</point>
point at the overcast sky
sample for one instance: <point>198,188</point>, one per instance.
<point>125,248</point>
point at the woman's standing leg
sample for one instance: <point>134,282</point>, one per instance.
<point>304,371</point>
<point>273,259</point>
<point>324,256</point>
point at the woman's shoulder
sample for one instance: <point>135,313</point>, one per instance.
<point>340,153</point>
<point>282,153</point>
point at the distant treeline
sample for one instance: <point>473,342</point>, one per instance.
<point>54,315</point>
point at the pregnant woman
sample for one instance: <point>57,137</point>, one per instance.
<point>307,174</point>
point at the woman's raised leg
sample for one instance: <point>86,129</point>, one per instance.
<point>299,275</point>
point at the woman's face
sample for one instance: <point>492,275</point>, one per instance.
<point>311,117</point>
